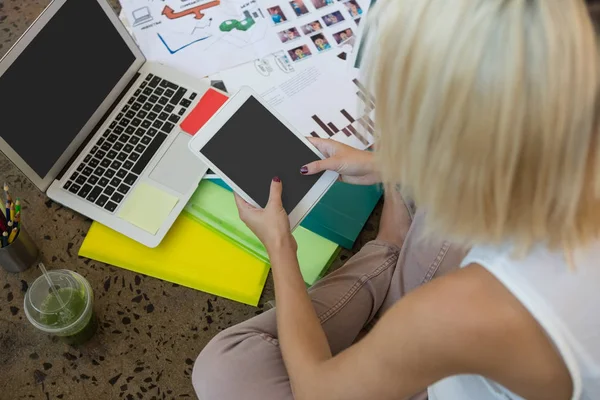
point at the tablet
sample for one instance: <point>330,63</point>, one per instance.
<point>247,144</point>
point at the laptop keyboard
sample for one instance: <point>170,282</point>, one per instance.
<point>119,157</point>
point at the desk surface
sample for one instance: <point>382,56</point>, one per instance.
<point>147,340</point>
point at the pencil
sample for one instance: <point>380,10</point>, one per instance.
<point>7,210</point>
<point>17,206</point>
<point>13,235</point>
<point>12,211</point>
<point>17,220</point>
<point>8,198</point>
<point>5,239</point>
<point>3,222</point>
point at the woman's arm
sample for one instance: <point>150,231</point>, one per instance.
<point>300,332</point>
<point>465,323</point>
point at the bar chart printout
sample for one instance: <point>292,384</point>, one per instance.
<point>365,122</point>
<point>330,129</point>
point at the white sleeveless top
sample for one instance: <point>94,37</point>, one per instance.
<point>565,302</point>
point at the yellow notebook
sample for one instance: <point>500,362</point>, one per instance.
<point>191,255</point>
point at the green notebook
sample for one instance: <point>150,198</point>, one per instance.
<point>215,207</point>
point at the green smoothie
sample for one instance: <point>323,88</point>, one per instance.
<point>75,304</point>
<point>61,303</point>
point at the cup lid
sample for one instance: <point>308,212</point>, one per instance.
<point>56,305</point>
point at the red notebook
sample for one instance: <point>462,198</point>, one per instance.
<point>209,104</point>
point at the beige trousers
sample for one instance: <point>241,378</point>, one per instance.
<point>244,362</point>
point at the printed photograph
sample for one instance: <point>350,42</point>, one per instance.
<point>342,36</point>
<point>288,35</point>
<point>299,53</point>
<point>320,42</point>
<point>312,27</point>
<point>277,15</point>
<point>353,8</point>
<point>333,18</point>
<point>321,3</point>
<point>357,20</point>
<point>299,7</point>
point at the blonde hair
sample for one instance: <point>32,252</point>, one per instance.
<point>486,113</point>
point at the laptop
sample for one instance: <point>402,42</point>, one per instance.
<point>141,15</point>
<point>93,124</point>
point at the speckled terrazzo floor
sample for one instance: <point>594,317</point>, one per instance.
<point>150,331</point>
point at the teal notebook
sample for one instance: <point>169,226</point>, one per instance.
<point>215,208</point>
<point>341,214</point>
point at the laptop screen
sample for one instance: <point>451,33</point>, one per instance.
<point>52,89</point>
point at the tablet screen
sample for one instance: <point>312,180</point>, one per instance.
<point>253,147</point>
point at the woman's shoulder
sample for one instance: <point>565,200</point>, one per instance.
<point>561,290</point>
<point>577,262</point>
<point>545,278</point>
<point>555,276</point>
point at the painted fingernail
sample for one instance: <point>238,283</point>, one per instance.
<point>304,170</point>
<point>276,179</point>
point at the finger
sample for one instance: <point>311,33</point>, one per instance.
<point>325,146</point>
<point>275,193</point>
<point>328,164</point>
<point>244,208</point>
<point>240,202</point>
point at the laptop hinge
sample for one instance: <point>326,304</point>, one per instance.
<point>98,125</point>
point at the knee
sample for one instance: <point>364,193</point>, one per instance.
<point>227,366</point>
<point>232,363</point>
<point>211,371</point>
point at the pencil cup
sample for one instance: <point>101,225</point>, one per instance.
<point>21,254</point>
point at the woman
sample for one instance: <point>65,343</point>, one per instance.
<point>486,115</point>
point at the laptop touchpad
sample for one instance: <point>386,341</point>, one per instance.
<point>178,168</point>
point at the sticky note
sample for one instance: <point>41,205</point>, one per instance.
<point>147,207</point>
<point>208,105</point>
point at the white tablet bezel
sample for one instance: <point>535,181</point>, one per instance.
<point>216,122</point>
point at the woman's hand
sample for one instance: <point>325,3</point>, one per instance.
<point>271,224</point>
<point>354,166</point>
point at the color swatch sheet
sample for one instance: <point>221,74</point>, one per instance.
<point>215,207</point>
<point>191,255</point>
<point>342,212</point>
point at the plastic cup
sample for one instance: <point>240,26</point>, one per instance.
<point>70,316</point>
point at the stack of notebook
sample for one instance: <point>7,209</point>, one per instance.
<point>210,249</point>
<point>341,214</point>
